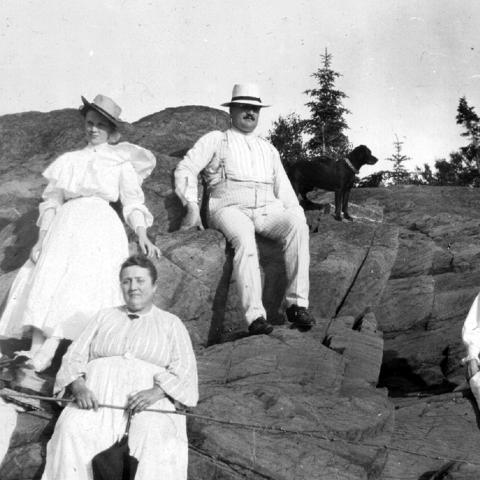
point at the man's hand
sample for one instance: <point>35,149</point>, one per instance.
<point>472,368</point>
<point>192,218</point>
<point>144,398</point>
<point>84,397</point>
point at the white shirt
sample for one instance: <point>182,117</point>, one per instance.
<point>249,158</point>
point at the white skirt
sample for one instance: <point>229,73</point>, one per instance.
<point>75,276</point>
<point>157,440</point>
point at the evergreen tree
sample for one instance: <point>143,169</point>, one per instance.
<point>463,166</point>
<point>399,173</point>
<point>467,117</point>
<point>327,123</point>
<point>287,137</point>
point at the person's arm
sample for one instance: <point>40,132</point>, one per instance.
<point>135,212</point>
<point>179,380</point>
<point>471,338</point>
<point>186,176</point>
<point>74,362</point>
<point>84,397</point>
<point>144,398</point>
<point>282,187</point>
<point>53,199</point>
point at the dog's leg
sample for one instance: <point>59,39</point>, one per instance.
<point>338,206</point>
<point>346,196</point>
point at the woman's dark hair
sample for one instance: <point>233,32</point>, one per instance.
<point>140,261</point>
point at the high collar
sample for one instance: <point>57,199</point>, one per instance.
<point>140,314</point>
<point>98,148</point>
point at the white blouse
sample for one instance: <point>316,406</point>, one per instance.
<point>110,172</point>
<point>157,337</point>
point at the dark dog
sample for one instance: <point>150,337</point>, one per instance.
<point>329,174</point>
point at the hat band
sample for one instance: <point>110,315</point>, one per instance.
<point>256,99</point>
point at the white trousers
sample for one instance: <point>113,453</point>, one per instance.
<point>239,226</point>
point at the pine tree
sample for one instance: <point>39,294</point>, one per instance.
<point>287,137</point>
<point>327,123</point>
<point>467,117</point>
<point>399,173</point>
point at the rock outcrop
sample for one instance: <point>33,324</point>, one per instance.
<point>433,282</point>
<point>389,292</point>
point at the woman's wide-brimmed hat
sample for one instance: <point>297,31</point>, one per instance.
<point>105,106</point>
<point>246,93</point>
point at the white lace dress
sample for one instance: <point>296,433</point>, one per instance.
<point>118,357</point>
<point>76,274</point>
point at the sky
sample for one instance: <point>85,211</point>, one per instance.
<point>404,63</point>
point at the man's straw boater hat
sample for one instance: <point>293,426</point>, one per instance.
<point>105,106</point>
<point>245,94</point>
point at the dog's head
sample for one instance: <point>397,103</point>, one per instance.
<point>362,155</point>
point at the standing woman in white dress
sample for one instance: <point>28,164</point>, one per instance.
<point>71,272</point>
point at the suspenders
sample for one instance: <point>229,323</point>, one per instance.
<point>222,153</point>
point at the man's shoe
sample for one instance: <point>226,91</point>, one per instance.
<point>299,316</point>
<point>260,327</point>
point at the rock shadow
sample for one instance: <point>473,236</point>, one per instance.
<point>25,233</point>
<point>220,300</point>
<point>310,205</point>
<point>398,377</point>
<point>226,302</point>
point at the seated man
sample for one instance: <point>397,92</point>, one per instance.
<point>249,192</point>
<point>136,356</point>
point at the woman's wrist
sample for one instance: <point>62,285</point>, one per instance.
<point>78,385</point>
<point>141,233</point>
<point>158,391</point>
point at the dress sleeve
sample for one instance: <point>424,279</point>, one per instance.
<point>75,361</point>
<point>179,379</point>
<point>133,200</point>
<point>196,159</point>
<point>143,161</point>
<point>53,197</point>
<point>282,187</point>
<point>471,332</point>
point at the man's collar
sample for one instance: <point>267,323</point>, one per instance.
<point>239,132</point>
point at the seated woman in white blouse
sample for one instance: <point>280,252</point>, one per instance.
<point>134,356</point>
<point>81,242</point>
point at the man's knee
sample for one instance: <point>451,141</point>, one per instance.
<point>297,224</point>
<point>245,242</point>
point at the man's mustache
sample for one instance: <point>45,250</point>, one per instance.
<point>249,116</point>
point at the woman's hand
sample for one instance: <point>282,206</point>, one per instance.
<point>37,248</point>
<point>144,398</point>
<point>35,252</point>
<point>146,246</point>
<point>84,397</point>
